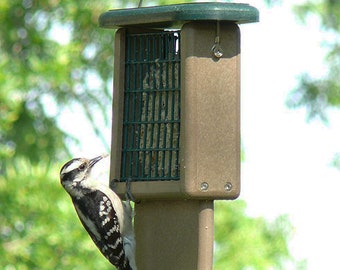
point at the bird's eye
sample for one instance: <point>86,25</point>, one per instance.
<point>81,167</point>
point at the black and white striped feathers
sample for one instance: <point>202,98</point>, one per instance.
<point>105,217</point>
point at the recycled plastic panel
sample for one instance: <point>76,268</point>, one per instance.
<point>176,112</point>
<point>174,16</point>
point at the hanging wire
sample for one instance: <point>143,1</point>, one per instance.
<point>140,3</point>
<point>216,48</point>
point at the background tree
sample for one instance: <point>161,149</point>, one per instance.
<point>54,57</point>
<point>38,225</point>
<point>242,242</point>
<point>319,94</point>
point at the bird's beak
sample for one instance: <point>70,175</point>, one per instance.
<point>95,160</point>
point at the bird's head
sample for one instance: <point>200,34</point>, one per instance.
<point>75,175</point>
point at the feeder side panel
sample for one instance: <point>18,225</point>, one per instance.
<point>210,126</point>
<point>117,104</point>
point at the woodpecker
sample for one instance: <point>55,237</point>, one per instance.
<point>106,218</point>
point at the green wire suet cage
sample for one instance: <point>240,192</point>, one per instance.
<point>151,125</point>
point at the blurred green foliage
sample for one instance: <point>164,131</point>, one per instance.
<point>38,225</point>
<point>243,242</point>
<point>319,94</point>
<point>49,50</point>
<point>39,228</point>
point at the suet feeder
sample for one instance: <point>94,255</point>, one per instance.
<point>176,112</point>
<point>176,101</point>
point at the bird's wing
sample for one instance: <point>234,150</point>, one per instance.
<point>100,220</point>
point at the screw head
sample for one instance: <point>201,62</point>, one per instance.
<point>217,50</point>
<point>204,186</point>
<point>228,186</point>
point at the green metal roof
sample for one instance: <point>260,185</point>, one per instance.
<point>173,16</point>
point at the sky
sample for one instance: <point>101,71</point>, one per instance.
<point>287,160</point>
<point>286,168</point>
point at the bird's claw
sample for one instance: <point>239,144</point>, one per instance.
<point>128,193</point>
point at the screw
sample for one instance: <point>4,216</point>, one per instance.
<point>228,186</point>
<point>204,186</point>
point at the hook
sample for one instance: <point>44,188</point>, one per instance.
<point>216,48</point>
